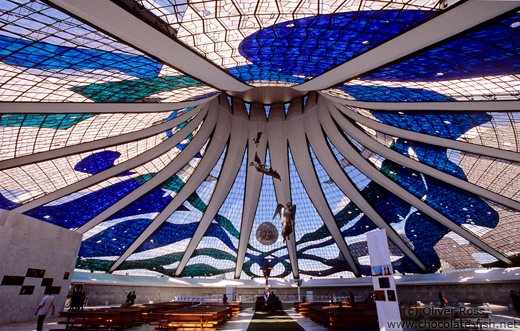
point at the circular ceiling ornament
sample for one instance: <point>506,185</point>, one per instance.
<point>267,233</point>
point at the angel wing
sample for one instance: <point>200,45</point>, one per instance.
<point>257,159</point>
<point>278,210</point>
<point>257,139</point>
<point>275,174</point>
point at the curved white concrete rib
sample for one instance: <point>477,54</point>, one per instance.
<point>172,168</point>
<point>96,144</point>
<point>374,174</point>
<point>382,150</point>
<point>336,173</point>
<point>118,169</point>
<point>257,123</point>
<point>216,147</point>
<point>230,168</point>
<point>303,162</point>
<point>427,106</point>
<point>429,139</point>
<point>95,107</point>
<point>277,140</point>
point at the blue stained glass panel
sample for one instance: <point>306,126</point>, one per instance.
<point>392,94</point>
<point>135,218</point>
<point>422,231</point>
<point>312,45</point>
<point>431,155</point>
<point>75,213</point>
<point>491,49</point>
<point>31,54</point>
<point>462,207</point>
<point>99,162</point>
<point>252,72</point>
<point>445,125</point>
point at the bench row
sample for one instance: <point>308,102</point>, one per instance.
<point>344,316</point>
<point>120,318</point>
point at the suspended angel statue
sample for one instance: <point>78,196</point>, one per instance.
<point>256,140</point>
<point>287,215</point>
<point>264,168</point>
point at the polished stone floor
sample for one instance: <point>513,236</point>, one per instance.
<point>502,318</point>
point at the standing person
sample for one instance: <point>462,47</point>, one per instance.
<point>128,297</point>
<point>515,296</point>
<point>132,298</point>
<point>43,309</point>
<point>271,301</point>
<point>81,299</point>
<point>74,300</point>
<point>224,299</point>
<point>442,300</point>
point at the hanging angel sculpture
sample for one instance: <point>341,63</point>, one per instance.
<point>264,168</point>
<point>287,215</point>
<point>256,140</point>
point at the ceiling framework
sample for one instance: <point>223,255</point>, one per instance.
<point>359,136</point>
<point>109,17</point>
<point>220,126</point>
<point>112,141</point>
<point>448,143</point>
<point>454,21</point>
<point>118,169</point>
<point>112,128</point>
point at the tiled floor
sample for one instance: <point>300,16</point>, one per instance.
<point>500,317</point>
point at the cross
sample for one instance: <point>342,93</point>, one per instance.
<point>266,271</point>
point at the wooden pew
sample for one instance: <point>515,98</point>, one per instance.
<point>109,318</point>
<point>358,316</point>
<point>354,320</point>
<point>201,317</point>
<point>95,320</point>
<point>187,320</point>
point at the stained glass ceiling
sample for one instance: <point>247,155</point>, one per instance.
<point>167,132</point>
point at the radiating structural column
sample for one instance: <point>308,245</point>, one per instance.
<point>152,153</point>
<point>394,156</point>
<point>429,139</point>
<point>257,124</point>
<point>277,140</point>
<point>96,144</point>
<point>340,179</point>
<point>228,173</point>
<point>217,123</point>
<point>364,166</point>
<point>303,162</point>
